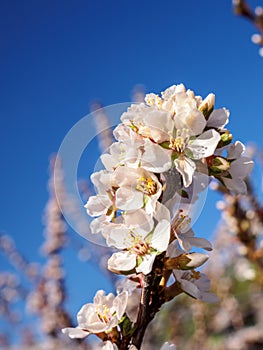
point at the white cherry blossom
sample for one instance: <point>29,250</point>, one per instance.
<point>104,183</point>
<point>177,125</point>
<point>182,107</point>
<point>103,204</point>
<point>100,316</point>
<point>195,284</point>
<point>240,167</point>
<point>165,154</point>
<point>184,235</point>
<point>186,150</point>
<point>137,188</point>
<point>134,151</point>
<point>120,191</point>
<point>139,245</point>
<point>148,121</point>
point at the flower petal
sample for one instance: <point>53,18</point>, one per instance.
<point>122,261</point>
<point>235,150</point>
<point>117,236</point>
<point>186,168</point>
<point>200,243</point>
<point>75,332</point>
<point>205,144</point>
<point>145,266</point>
<point>120,303</point>
<point>155,158</point>
<point>190,119</point>
<point>161,236</point>
<point>218,118</point>
<point>236,185</point>
<point>128,199</point>
<point>98,205</point>
<point>241,167</point>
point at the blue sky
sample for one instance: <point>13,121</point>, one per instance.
<point>58,56</point>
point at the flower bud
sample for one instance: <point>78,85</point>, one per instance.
<point>186,261</point>
<point>218,165</point>
<point>207,105</point>
<point>226,139</point>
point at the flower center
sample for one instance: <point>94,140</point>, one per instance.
<point>137,245</point>
<point>146,185</point>
<point>141,248</point>
<point>141,129</point>
<point>177,144</point>
<point>181,222</point>
<point>154,100</point>
<point>180,141</point>
<point>103,313</point>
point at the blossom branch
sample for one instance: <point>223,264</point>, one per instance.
<point>167,150</point>
<point>144,314</point>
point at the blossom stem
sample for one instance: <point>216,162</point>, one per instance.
<point>144,315</point>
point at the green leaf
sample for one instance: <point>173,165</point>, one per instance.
<point>175,155</point>
<point>126,326</point>
<point>183,193</point>
<point>189,153</point>
<point>165,144</point>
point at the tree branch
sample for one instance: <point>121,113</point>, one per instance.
<point>144,315</point>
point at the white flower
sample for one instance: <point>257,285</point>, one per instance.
<point>100,316</point>
<point>195,284</point>
<point>137,188</point>
<point>184,235</point>
<point>103,181</point>
<point>139,245</point>
<point>148,122</point>
<point>127,151</point>
<point>239,168</point>
<point>186,113</point>
<point>186,150</point>
<point>175,124</point>
<point>120,191</point>
<point>207,105</point>
<point>155,158</point>
<point>182,106</point>
<point>133,150</point>
<point>100,204</point>
<point>121,154</point>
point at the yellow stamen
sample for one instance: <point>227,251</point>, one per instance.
<point>138,245</point>
<point>180,141</point>
<point>154,101</point>
<point>177,144</point>
<point>147,186</point>
<point>180,222</point>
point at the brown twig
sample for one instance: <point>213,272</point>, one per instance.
<point>144,315</point>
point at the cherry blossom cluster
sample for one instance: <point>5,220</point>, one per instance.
<point>166,151</point>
